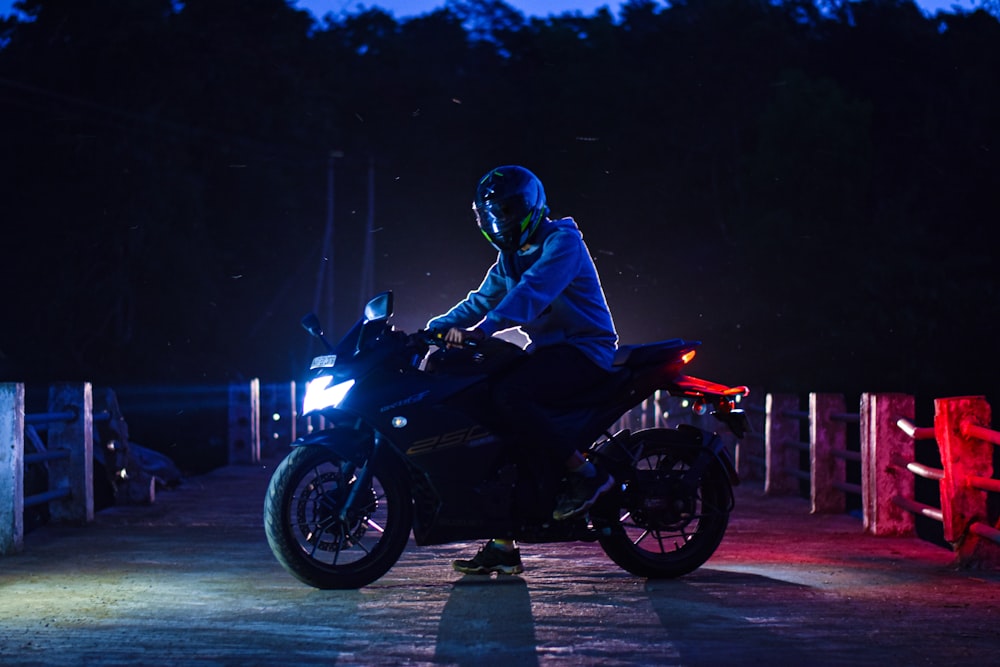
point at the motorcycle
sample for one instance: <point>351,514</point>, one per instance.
<point>406,444</point>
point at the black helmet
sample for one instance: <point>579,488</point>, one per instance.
<point>509,206</point>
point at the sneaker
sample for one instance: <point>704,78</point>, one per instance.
<point>491,558</point>
<point>583,493</point>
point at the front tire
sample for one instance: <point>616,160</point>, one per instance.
<point>311,535</point>
<point>658,526</point>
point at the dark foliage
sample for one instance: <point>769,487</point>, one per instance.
<point>812,193</point>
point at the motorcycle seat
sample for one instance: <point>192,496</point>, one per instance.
<point>651,353</point>
<point>616,382</point>
<point>628,358</point>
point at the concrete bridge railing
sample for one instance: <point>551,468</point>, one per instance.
<point>886,458</point>
<point>68,455</point>
<point>794,447</point>
<point>966,478</point>
<point>48,458</point>
<point>799,449</point>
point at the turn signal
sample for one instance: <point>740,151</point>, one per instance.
<point>688,356</point>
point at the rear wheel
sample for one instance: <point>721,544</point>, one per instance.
<point>662,525</point>
<point>321,540</point>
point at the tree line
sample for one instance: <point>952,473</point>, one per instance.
<point>807,186</point>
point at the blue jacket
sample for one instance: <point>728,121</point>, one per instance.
<point>551,291</point>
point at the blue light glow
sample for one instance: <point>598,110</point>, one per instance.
<point>320,395</point>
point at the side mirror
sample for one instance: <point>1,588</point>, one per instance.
<point>379,308</point>
<point>311,324</point>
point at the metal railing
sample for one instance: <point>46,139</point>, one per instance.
<point>842,457</point>
<point>888,465</point>
<point>965,480</point>
<point>67,456</point>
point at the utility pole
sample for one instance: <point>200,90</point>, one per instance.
<point>324,274</point>
<point>368,268</point>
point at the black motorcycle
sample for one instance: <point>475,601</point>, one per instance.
<point>407,444</point>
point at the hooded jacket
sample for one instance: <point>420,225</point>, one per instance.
<point>550,290</point>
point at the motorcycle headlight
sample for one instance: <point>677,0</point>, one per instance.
<point>320,394</point>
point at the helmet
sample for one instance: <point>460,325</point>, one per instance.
<point>509,206</point>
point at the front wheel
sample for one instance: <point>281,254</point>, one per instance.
<point>328,531</point>
<point>662,525</point>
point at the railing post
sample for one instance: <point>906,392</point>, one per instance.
<point>11,467</point>
<point>780,429</point>
<point>244,422</point>
<point>827,437</point>
<point>750,450</point>
<point>280,414</point>
<point>77,436</point>
<point>962,457</point>
<point>882,443</point>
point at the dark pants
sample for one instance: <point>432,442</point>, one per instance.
<point>549,375</point>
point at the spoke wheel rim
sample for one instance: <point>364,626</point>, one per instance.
<point>659,516</point>
<point>316,510</point>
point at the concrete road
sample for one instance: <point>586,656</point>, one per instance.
<point>191,581</point>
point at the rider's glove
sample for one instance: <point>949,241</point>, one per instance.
<point>456,336</point>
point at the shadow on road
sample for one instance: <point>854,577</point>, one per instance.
<point>487,620</point>
<point>717,617</point>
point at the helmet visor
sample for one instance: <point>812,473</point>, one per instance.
<point>509,205</point>
<point>504,219</point>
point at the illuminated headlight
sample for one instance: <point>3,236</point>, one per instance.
<point>320,394</point>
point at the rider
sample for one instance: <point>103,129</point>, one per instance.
<point>545,282</point>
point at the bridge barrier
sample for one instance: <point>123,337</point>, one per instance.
<point>244,422</point>
<point>263,420</point>
<point>888,465</point>
<point>11,467</point>
<point>811,447</point>
<point>966,478</point>
<point>883,450</point>
<point>750,452</point>
<point>78,430</point>
<point>68,456</point>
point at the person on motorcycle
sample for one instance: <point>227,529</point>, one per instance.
<point>545,282</point>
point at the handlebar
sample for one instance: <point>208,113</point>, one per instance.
<point>436,339</point>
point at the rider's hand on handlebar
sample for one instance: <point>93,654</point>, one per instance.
<point>456,337</point>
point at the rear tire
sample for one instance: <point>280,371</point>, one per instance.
<point>308,535</point>
<point>658,529</point>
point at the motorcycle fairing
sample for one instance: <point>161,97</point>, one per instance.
<point>353,445</point>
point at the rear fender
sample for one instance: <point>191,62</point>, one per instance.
<point>720,397</point>
<point>722,453</point>
<point>693,386</point>
<point>715,447</point>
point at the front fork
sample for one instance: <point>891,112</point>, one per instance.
<point>362,479</point>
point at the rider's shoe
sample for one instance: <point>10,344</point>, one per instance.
<point>583,492</point>
<point>491,558</point>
